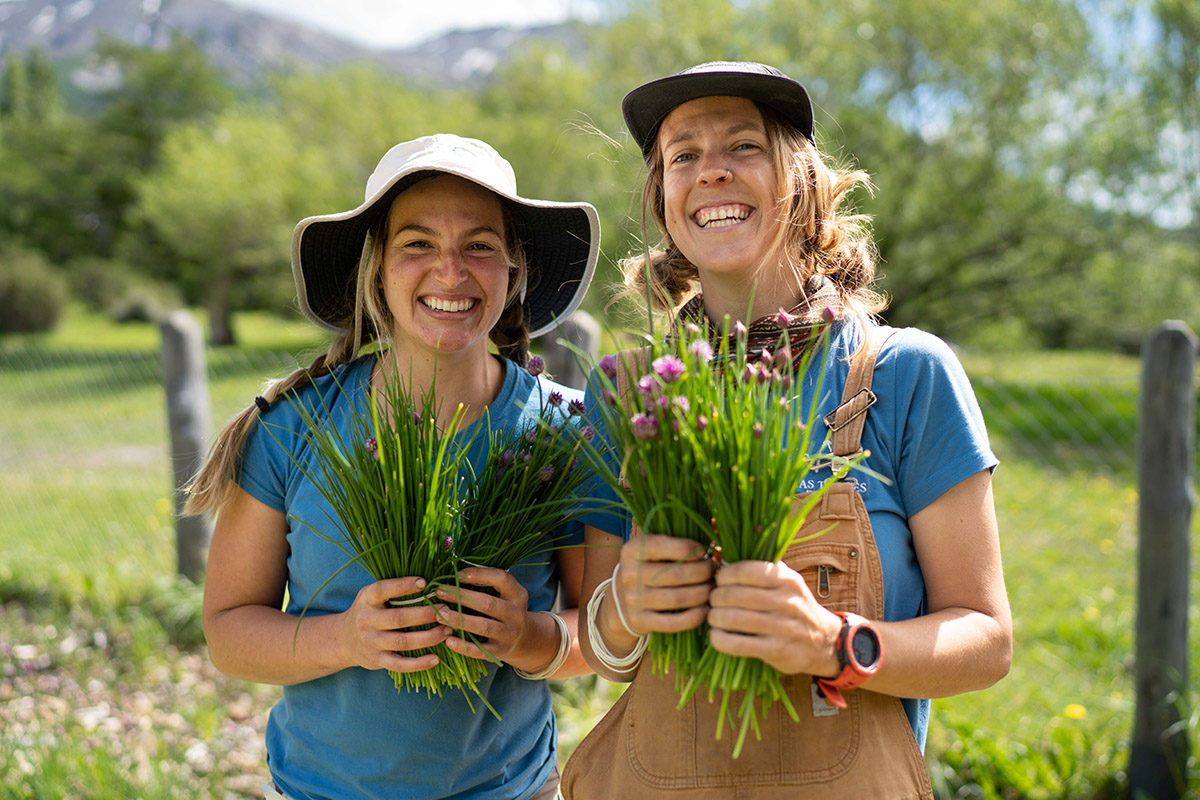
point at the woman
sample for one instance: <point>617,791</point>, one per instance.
<point>442,255</point>
<point>911,599</point>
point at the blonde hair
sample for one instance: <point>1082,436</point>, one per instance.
<point>816,239</point>
<point>370,323</point>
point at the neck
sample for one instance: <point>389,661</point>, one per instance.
<point>747,299</point>
<point>472,380</point>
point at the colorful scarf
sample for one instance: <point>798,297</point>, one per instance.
<point>821,305</point>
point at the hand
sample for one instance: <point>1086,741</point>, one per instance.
<point>767,611</point>
<point>663,584</point>
<point>376,635</point>
<point>499,622</point>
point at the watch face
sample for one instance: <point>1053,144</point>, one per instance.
<point>865,645</point>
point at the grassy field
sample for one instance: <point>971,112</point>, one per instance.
<point>105,689</point>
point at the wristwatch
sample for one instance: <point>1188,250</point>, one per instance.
<point>859,652</point>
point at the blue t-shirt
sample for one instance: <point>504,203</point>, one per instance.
<point>925,434</point>
<point>352,734</point>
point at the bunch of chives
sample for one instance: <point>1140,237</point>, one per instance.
<point>712,447</point>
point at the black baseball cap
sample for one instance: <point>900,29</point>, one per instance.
<point>648,105</point>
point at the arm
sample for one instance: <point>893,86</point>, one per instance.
<point>524,640</point>
<point>250,637</point>
<point>663,585</point>
<point>962,644</point>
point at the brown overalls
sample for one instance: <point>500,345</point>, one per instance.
<point>645,748</point>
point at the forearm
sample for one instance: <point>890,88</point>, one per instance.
<point>544,638</point>
<point>265,645</point>
<point>945,653</point>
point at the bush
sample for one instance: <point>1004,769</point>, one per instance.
<point>32,292</point>
<point>99,282</point>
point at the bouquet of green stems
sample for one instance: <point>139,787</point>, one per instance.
<point>409,506</point>
<point>712,447</point>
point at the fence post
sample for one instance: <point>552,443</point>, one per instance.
<point>1166,426</point>
<point>581,330</point>
<point>186,384</point>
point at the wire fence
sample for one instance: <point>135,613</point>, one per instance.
<point>87,482</point>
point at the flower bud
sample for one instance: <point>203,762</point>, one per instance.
<point>535,365</point>
<point>608,365</point>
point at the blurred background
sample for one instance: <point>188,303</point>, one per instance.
<point>1036,166</point>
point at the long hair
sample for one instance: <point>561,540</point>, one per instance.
<point>816,238</point>
<point>369,323</point>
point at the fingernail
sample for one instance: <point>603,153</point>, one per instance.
<point>420,583</point>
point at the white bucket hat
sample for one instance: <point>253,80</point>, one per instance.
<point>561,240</point>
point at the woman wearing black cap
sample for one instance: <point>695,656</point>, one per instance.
<point>902,595</point>
<point>442,255</point>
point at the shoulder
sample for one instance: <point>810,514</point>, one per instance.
<point>525,396</point>
<point>913,346</point>
<point>317,396</point>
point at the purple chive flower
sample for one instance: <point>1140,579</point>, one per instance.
<point>448,542</point>
<point>555,399</point>
<point>692,328</point>
<point>739,329</point>
<point>663,403</point>
<point>701,423</point>
<point>608,365</point>
<point>758,430</point>
<point>608,397</point>
<point>645,427</point>
<point>373,447</point>
<point>645,385</point>
<point>701,349</point>
<point>675,427</point>
<point>587,433</point>
<point>682,404</point>
<point>762,375</point>
<point>668,368</point>
<point>827,314</point>
<point>783,318</point>
<point>576,408</point>
<point>507,458</point>
<point>765,357</point>
<point>748,373</point>
<point>525,458</point>
<point>531,436</point>
<point>783,357</point>
<point>535,365</point>
<point>547,473</point>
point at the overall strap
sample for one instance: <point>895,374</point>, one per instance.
<point>846,422</point>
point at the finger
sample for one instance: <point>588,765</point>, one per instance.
<point>405,641</point>
<point>392,619</point>
<point>660,574</point>
<point>740,644</point>
<point>380,592</point>
<point>672,599</point>
<point>398,663</point>
<point>756,573</point>
<point>461,597</point>
<point>671,621</point>
<point>481,650</point>
<point>753,598</point>
<point>663,548</point>
<point>743,621</point>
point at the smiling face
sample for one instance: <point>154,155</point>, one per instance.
<point>445,267</point>
<point>720,189</point>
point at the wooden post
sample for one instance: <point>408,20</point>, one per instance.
<point>581,330</point>
<point>1158,760</point>
<point>186,384</point>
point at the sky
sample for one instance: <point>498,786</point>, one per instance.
<point>400,23</point>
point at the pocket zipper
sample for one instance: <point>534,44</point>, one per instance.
<point>823,581</point>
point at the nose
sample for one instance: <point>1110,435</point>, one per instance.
<point>450,269</point>
<point>714,171</point>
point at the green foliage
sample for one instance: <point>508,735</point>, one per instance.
<point>32,293</point>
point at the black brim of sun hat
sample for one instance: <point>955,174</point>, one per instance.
<point>560,240</point>
<point>647,106</point>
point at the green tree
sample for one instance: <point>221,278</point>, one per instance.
<point>218,212</point>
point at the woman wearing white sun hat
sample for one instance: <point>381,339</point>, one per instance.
<point>442,256</point>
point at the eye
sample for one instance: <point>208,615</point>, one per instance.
<point>416,244</point>
<point>683,158</point>
<point>481,247</point>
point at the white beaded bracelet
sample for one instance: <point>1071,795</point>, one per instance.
<point>564,648</point>
<point>618,664</point>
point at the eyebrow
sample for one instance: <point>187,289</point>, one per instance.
<point>731,130</point>
<point>424,231</point>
